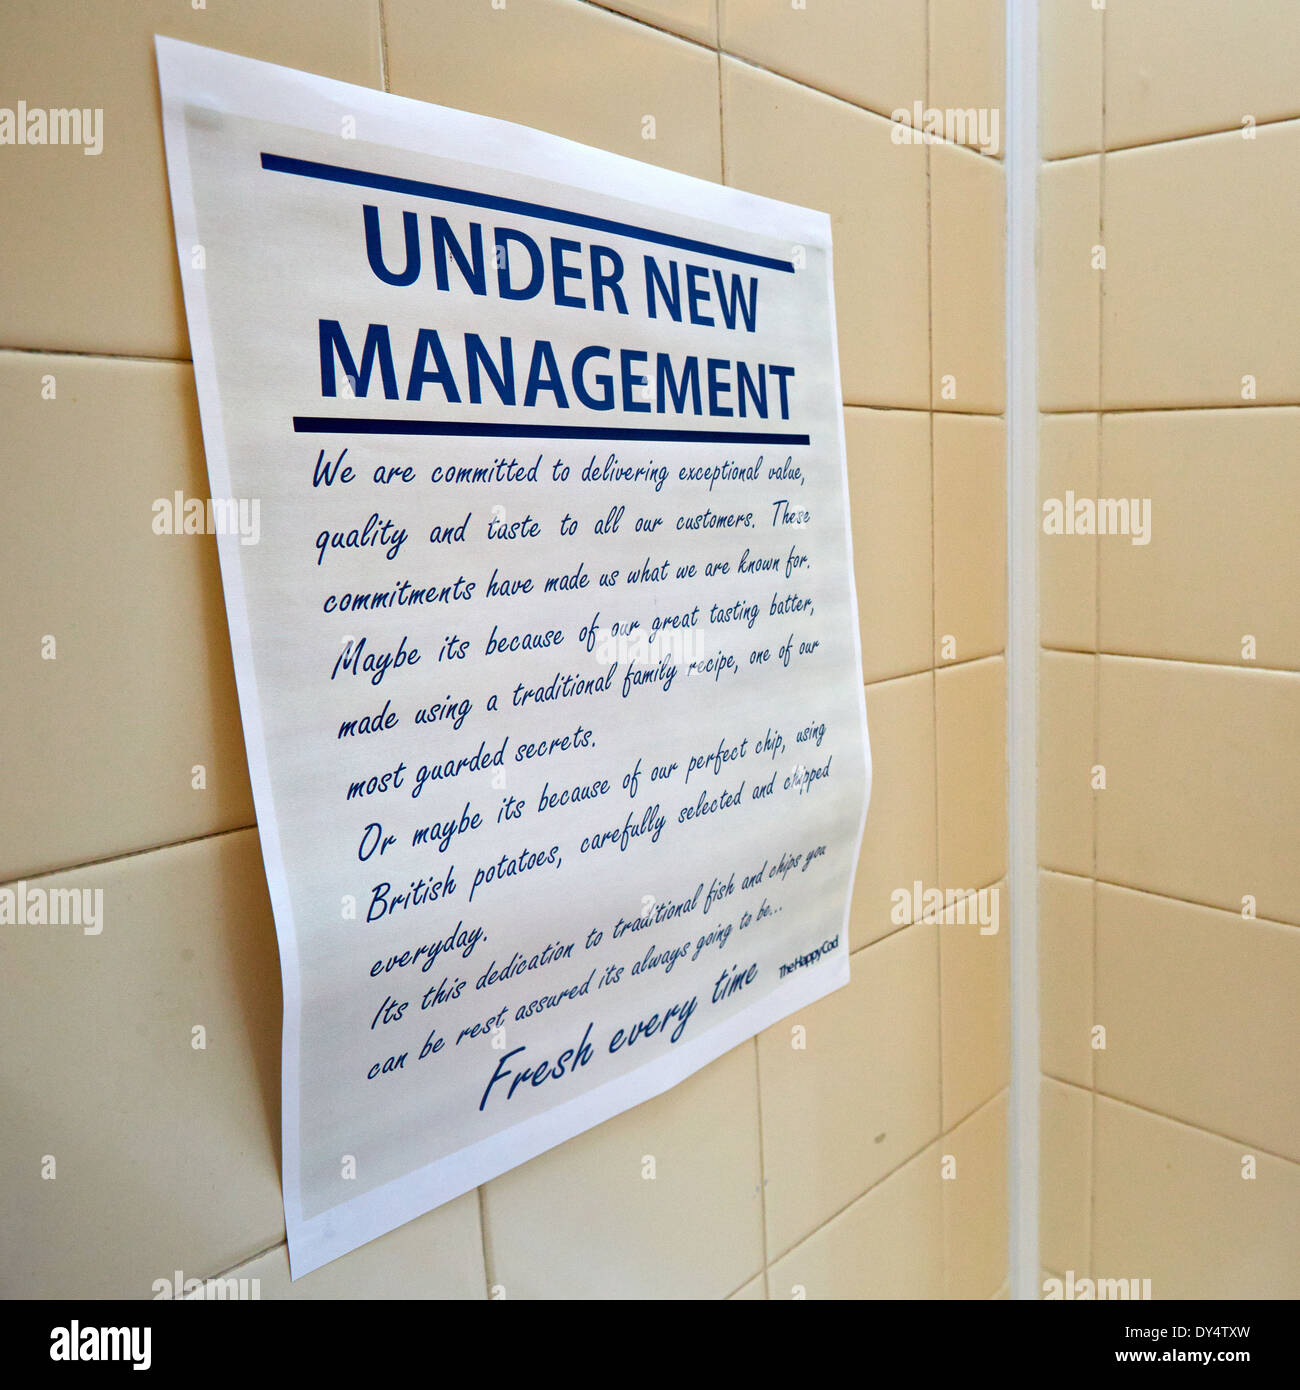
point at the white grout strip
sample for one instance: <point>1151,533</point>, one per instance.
<point>1022,636</point>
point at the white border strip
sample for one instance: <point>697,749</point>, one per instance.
<point>1022,636</point>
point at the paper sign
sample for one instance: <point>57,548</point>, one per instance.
<point>527,471</point>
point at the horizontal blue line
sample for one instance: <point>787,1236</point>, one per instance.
<point>363,178</point>
<point>342,424</point>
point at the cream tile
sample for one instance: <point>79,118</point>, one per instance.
<point>1172,1206</point>
<point>900,845</point>
<point>1201,282</point>
<point>967,252</point>
<point>167,1156</point>
<point>1066,757</point>
<point>970,537</point>
<point>440,1255</point>
<point>141,688</point>
<point>1068,448</point>
<point>1069,284</point>
<point>1065,986</point>
<point>968,61</point>
<point>889,501</point>
<point>1199,1008</point>
<point>787,142</point>
<point>1203,783</point>
<point>1069,77</point>
<point>695,19</point>
<point>753,1292</point>
<point>861,1096</point>
<point>101,274</point>
<point>563,67</point>
<point>871,52</point>
<point>970,719</point>
<point>1180,67</point>
<point>692,1231</point>
<point>1064,1180</point>
<point>975,1001</point>
<point>886,1245</point>
<point>1221,564</point>
<point>975,1204</point>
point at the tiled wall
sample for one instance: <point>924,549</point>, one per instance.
<point>1170,900</point>
<point>777,1168</point>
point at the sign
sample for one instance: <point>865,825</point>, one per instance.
<point>527,471</point>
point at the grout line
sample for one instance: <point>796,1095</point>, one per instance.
<point>1192,661</point>
<point>722,129</point>
<point>383,46</point>
<point>1195,902</point>
<point>1247,666</point>
<point>1022,641</point>
<point>1175,1120</point>
<point>1158,141</point>
<point>639,20</point>
<point>104,355</point>
<point>282,1243</point>
<point>760,1273</point>
<point>1167,897</point>
<point>483,1241</point>
<point>762,1158</point>
<point>128,854</point>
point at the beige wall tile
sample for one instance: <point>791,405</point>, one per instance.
<point>1180,67</point>
<point>1172,1206</point>
<point>439,1255</point>
<point>167,1156</point>
<point>787,142</point>
<point>968,59</point>
<point>141,688</point>
<point>563,67</point>
<point>967,254</point>
<point>975,1204</point>
<point>970,536</point>
<point>1066,756</point>
<point>1068,448</point>
<point>1203,783</point>
<point>1069,77</point>
<point>1221,563</point>
<point>861,1096</point>
<point>899,847</point>
<point>889,498</point>
<point>970,719</point>
<point>888,1244</point>
<point>101,275</point>
<point>696,19</point>
<point>1069,284</point>
<point>1201,282</point>
<point>871,52</point>
<point>693,1231</point>
<point>1199,1008</point>
<point>975,1001</point>
<point>1065,1184</point>
<point>1065,987</point>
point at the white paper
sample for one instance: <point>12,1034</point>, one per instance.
<point>728,753</point>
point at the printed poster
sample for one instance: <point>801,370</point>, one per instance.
<point>527,466</point>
